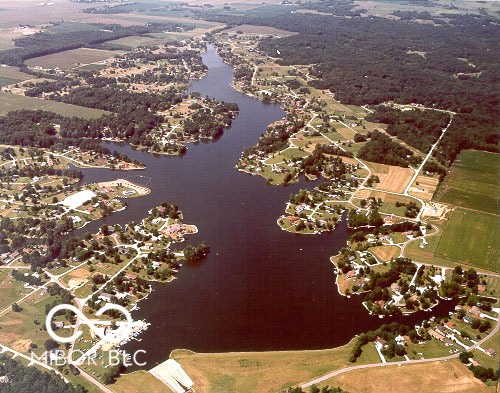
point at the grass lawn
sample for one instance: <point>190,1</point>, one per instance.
<point>18,329</point>
<point>138,382</point>
<point>260,371</point>
<point>369,354</point>
<point>472,182</point>
<point>492,285</point>
<point>5,81</point>
<point>354,147</point>
<point>10,289</point>
<point>421,378</point>
<point>472,238</point>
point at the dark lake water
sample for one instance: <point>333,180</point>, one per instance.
<point>260,288</point>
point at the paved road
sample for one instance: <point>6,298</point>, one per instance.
<point>374,365</point>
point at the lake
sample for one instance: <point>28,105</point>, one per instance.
<point>260,288</point>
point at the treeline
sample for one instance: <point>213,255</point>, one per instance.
<point>36,129</point>
<point>418,128</point>
<point>315,389</point>
<point>380,148</point>
<point>30,379</point>
<point>134,114</point>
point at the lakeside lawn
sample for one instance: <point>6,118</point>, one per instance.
<point>138,382</point>
<point>472,182</point>
<point>261,371</point>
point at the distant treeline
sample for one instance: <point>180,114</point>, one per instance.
<point>419,129</point>
<point>450,65</point>
<point>48,42</point>
<point>380,148</point>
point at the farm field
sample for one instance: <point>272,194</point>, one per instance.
<point>385,253</point>
<point>251,29</point>
<point>13,102</point>
<point>408,378</point>
<point>11,75</point>
<point>472,182</point>
<point>71,58</point>
<point>472,238</point>
<point>424,187</point>
<point>392,178</point>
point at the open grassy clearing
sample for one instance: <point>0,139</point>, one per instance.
<point>71,58</point>
<point>259,371</point>
<point>12,75</point>
<point>140,19</point>
<point>451,376</point>
<point>10,289</point>
<point>388,205</point>
<point>472,238</point>
<point>385,253</point>
<point>18,329</point>
<point>138,382</point>
<point>13,102</point>
<point>251,29</point>
<point>392,178</point>
<point>473,182</point>
<point>492,285</point>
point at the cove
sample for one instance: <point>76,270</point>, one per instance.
<point>260,288</point>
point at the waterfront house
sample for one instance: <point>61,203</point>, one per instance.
<point>450,325</point>
<point>474,310</point>
<point>468,319</point>
<point>436,335</point>
<point>105,297</point>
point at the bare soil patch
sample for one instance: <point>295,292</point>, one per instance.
<point>392,178</point>
<point>425,188</point>
<point>451,376</point>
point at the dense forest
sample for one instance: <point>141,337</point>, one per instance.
<point>449,64</point>
<point>380,148</point>
<point>29,379</point>
<point>418,128</point>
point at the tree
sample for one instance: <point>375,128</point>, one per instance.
<point>465,356</point>
<point>15,307</point>
<point>51,344</point>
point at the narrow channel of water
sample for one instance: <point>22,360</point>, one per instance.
<point>260,288</point>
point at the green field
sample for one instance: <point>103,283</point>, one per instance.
<point>473,182</point>
<point>13,102</point>
<point>472,238</point>
<point>5,81</point>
